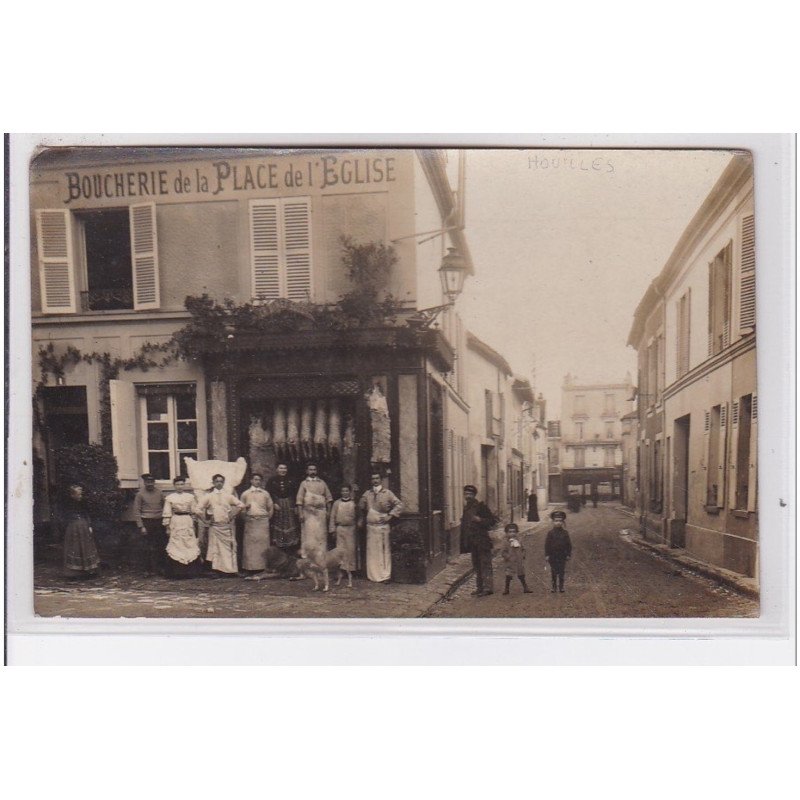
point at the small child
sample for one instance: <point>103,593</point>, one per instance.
<point>514,558</point>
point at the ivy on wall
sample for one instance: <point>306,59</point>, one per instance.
<point>368,267</point>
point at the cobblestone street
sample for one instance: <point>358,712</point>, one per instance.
<point>608,576</point>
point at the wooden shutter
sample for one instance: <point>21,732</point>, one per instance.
<point>747,277</point>
<point>711,275</point>
<point>297,247</point>
<point>56,264</point>
<point>752,466</point>
<point>265,249</point>
<point>722,461</point>
<point>123,429</point>
<point>733,438</point>
<point>144,254</point>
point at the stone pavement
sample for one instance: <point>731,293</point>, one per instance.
<point>129,593</point>
<point>679,557</point>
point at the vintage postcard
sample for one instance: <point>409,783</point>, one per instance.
<point>389,382</point>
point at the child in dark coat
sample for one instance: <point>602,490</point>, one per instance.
<point>558,549</point>
<point>514,558</point>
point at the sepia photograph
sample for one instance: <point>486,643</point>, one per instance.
<point>394,382</point>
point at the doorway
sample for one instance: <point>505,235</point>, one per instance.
<point>680,482</point>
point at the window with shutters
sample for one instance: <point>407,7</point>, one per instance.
<point>106,243</point>
<point>719,301</point>
<point>683,332</point>
<point>715,456</point>
<point>112,263</point>
<point>744,420</point>
<point>280,241</point>
<point>747,277</point>
<point>169,428</point>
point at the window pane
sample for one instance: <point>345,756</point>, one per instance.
<point>187,435</point>
<point>183,471</point>
<point>156,406</point>
<point>157,436</point>
<point>159,466</point>
<point>185,406</point>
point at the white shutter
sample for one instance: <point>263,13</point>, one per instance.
<point>297,247</point>
<point>747,277</point>
<point>726,334</point>
<point>753,476</point>
<point>56,272</point>
<point>734,439</point>
<point>144,254</point>
<point>123,429</point>
<point>265,249</point>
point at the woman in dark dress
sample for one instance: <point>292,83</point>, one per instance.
<point>533,507</point>
<point>81,558</point>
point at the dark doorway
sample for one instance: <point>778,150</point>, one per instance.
<point>680,482</point>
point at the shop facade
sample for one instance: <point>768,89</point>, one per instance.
<point>120,239</point>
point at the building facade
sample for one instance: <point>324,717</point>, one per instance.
<point>591,437</point>
<point>702,478</point>
<point>120,239</point>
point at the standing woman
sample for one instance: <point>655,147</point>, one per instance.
<point>81,559</point>
<point>533,506</point>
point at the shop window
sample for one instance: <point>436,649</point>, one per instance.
<point>169,429</point>
<point>280,239</point>
<point>116,259</point>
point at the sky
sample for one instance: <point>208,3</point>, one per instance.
<point>564,244</point>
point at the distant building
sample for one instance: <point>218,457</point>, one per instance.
<point>695,335</point>
<point>554,488</point>
<point>591,437</point>
<point>505,429</point>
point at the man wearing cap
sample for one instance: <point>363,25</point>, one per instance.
<point>148,506</point>
<point>558,549</point>
<point>476,522</point>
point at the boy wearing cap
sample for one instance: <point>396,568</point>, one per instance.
<point>514,558</point>
<point>558,549</point>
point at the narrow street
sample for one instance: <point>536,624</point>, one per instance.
<point>606,577</point>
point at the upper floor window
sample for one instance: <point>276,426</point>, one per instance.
<point>580,403</point>
<point>609,430</point>
<point>579,430</point>
<point>113,265</point>
<point>683,332</point>
<point>719,301</point>
<point>280,239</point>
<point>609,404</point>
<point>747,277</point>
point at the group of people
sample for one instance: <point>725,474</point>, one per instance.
<point>183,532</point>
<point>477,521</point>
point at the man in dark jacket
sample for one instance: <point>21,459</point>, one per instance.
<point>476,522</point>
<point>558,549</point>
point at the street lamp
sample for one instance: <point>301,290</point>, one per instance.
<point>452,272</point>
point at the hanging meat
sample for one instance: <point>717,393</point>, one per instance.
<point>320,425</point>
<point>349,450</point>
<point>279,430</point>
<point>293,431</point>
<point>306,435</point>
<point>334,428</point>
